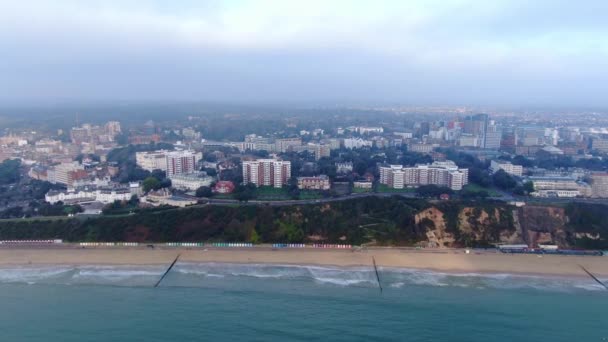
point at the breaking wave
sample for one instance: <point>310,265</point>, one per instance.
<point>219,274</point>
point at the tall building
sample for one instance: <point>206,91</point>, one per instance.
<point>113,128</point>
<point>439,173</point>
<point>181,162</point>
<point>492,138</point>
<point>266,172</point>
<point>477,126</point>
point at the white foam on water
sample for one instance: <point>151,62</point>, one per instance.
<point>30,274</point>
<point>191,274</point>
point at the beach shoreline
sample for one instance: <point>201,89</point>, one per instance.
<point>447,261</point>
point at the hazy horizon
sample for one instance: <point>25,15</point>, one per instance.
<point>460,53</point>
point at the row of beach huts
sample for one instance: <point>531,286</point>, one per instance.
<point>507,249</point>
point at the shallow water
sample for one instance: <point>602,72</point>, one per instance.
<point>217,302</point>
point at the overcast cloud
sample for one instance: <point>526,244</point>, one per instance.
<point>511,52</point>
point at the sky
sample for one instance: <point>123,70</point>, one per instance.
<point>410,52</point>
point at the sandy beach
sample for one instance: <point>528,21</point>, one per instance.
<point>438,260</point>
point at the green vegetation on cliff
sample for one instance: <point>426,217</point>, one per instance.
<point>382,221</point>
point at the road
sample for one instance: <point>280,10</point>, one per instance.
<point>504,197</point>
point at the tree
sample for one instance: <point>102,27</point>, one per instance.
<point>468,192</point>
<point>432,190</point>
<point>151,183</point>
<point>9,171</point>
<point>293,190</point>
<point>523,161</point>
<point>210,171</point>
<point>479,176</point>
<point>246,192</point>
<point>204,191</point>
<point>503,180</point>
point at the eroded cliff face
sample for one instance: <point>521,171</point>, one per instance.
<point>469,226</point>
<point>543,225</point>
<point>433,221</point>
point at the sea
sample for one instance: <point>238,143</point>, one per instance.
<point>237,302</point>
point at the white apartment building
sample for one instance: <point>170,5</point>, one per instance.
<point>190,181</point>
<point>344,168</point>
<point>559,187</point>
<point>266,172</point>
<point>314,183</point>
<point>515,170</point>
<point>283,145</point>
<point>88,194</point>
<point>367,130</point>
<point>351,143</point>
<point>439,173</point>
<point>421,148</point>
<point>150,161</point>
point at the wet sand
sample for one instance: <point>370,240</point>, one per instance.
<point>437,260</point>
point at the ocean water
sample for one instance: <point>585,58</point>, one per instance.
<point>231,302</point>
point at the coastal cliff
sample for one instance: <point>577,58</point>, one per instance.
<point>367,221</point>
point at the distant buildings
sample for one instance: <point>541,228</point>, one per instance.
<point>366,130</point>
<point>283,145</point>
<point>362,184</point>
<point>89,194</point>
<point>599,144</point>
<point>190,181</point>
<point>172,162</point>
<point>321,150</point>
<point>482,131</point>
<point>421,148</point>
<point>350,143</point>
<point>88,133</point>
<point>267,172</point>
<point>439,173</point>
<point>515,170</point>
<point>314,183</point>
<point>65,173</point>
<point>344,168</point>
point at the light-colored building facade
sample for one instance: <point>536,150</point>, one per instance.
<point>153,160</point>
<point>599,184</point>
<point>314,183</point>
<point>508,167</point>
<point>267,172</point>
<point>182,162</point>
<point>559,187</point>
<point>439,173</point>
<point>421,148</point>
<point>190,181</point>
<point>350,143</point>
<point>64,173</point>
<point>344,168</point>
<point>89,194</point>
<point>283,145</point>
